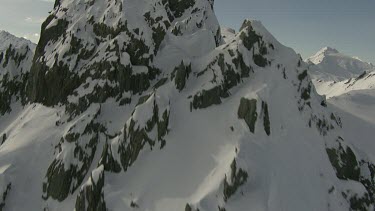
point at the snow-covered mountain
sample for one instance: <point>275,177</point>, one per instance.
<point>8,39</point>
<point>353,95</point>
<point>16,56</point>
<point>335,66</point>
<point>143,105</point>
<point>335,74</point>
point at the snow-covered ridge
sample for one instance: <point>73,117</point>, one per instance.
<point>16,55</point>
<point>137,104</point>
<point>7,38</point>
<point>366,81</point>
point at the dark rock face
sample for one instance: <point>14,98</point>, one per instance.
<point>348,167</point>
<point>231,78</point>
<point>250,38</point>
<point>180,75</point>
<point>207,98</point>
<point>345,162</point>
<point>49,88</point>
<point>237,179</point>
<point>11,54</point>
<point>266,118</point>
<point>248,112</point>
<point>91,195</point>
<point>11,89</point>
<point>59,181</point>
<point>135,137</point>
<point>188,208</point>
<point>62,180</point>
<point>4,196</point>
<point>179,7</point>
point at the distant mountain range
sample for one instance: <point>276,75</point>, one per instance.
<point>335,74</point>
<point>335,66</point>
<point>349,85</point>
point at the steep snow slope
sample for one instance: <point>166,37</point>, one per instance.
<point>358,102</point>
<point>142,105</point>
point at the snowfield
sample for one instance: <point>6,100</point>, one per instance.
<point>151,105</point>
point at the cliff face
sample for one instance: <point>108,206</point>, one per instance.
<point>142,105</point>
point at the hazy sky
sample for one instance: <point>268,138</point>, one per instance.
<point>305,25</point>
<point>308,25</point>
<point>24,17</point>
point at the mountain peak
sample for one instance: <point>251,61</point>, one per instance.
<point>250,23</point>
<point>4,33</point>
<point>329,50</point>
<point>334,65</point>
<point>321,54</point>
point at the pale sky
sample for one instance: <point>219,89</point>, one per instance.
<point>305,25</point>
<point>309,25</point>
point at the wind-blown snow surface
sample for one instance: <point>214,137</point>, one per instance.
<point>185,120</point>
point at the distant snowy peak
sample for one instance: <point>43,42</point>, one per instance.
<point>7,38</point>
<point>335,74</point>
<point>333,65</point>
<point>321,54</point>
